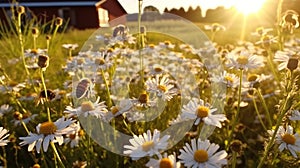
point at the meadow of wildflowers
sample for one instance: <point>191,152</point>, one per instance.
<point>144,95</point>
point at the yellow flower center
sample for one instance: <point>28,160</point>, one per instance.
<point>80,61</point>
<point>109,50</point>
<point>162,88</point>
<point>80,133</point>
<point>143,98</point>
<point>228,79</point>
<point>33,51</point>
<point>200,156</point>
<point>252,78</point>
<point>202,111</point>
<point>243,60</point>
<point>72,136</point>
<point>147,146</point>
<point>152,46</point>
<point>165,163</point>
<point>47,128</point>
<point>167,42</point>
<point>289,139</point>
<point>99,61</point>
<point>87,106</point>
<point>157,69</point>
<point>114,110</point>
<point>12,83</point>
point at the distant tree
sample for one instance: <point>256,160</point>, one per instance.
<point>150,9</point>
<point>150,13</point>
<point>166,10</point>
<point>194,15</point>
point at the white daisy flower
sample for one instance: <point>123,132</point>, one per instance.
<point>295,115</point>
<point>5,108</point>
<point>284,58</point>
<point>88,108</point>
<point>165,162</point>
<point>166,44</point>
<point>3,135</point>
<point>202,154</point>
<point>146,145</point>
<point>162,87</point>
<point>25,118</point>
<point>215,27</point>
<point>47,132</point>
<point>70,46</point>
<point>74,136</point>
<point>197,109</point>
<point>244,60</point>
<point>230,80</point>
<point>287,139</point>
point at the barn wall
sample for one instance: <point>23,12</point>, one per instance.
<point>85,17</point>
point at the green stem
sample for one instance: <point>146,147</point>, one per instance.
<point>57,155</point>
<point>140,41</point>
<point>235,119</point>
<point>46,95</point>
<point>258,115</point>
<point>109,103</point>
<point>265,107</point>
<point>282,112</point>
<point>234,157</point>
<point>22,43</point>
<point>25,127</point>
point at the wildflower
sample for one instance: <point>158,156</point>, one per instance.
<point>287,59</point>
<point>230,80</point>
<point>146,145</point>
<point>164,162</point>
<point>25,117</point>
<point>74,136</point>
<point>143,100</point>
<point>197,109</point>
<point>5,108</point>
<point>287,140</point>
<point>79,164</point>
<point>166,44</point>
<point>162,87</point>
<point>12,86</point>
<point>295,115</point>
<point>244,60</point>
<point>215,27</point>
<point>202,154</point>
<point>267,40</point>
<point>88,108</point>
<point>47,132</point>
<point>289,21</point>
<point>261,31</point>
<point>70,46</point>
<point>3,135</point>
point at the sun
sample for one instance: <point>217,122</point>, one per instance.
<point>248,6</point>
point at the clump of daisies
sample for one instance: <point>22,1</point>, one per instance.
<point>47,132</point>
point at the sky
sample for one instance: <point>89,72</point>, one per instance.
<point>131,6</point>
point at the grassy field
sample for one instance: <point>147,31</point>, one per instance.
<point>259,97</point>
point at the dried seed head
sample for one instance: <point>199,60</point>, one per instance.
<point>21,10</point>
<point>292,64</point>
<point>58,21</point>
<point>43,61</point>
<point>35,31</point>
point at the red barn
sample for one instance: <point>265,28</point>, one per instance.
<point>82,14</point>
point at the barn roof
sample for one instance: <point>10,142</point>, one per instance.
<point>47,3</point>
